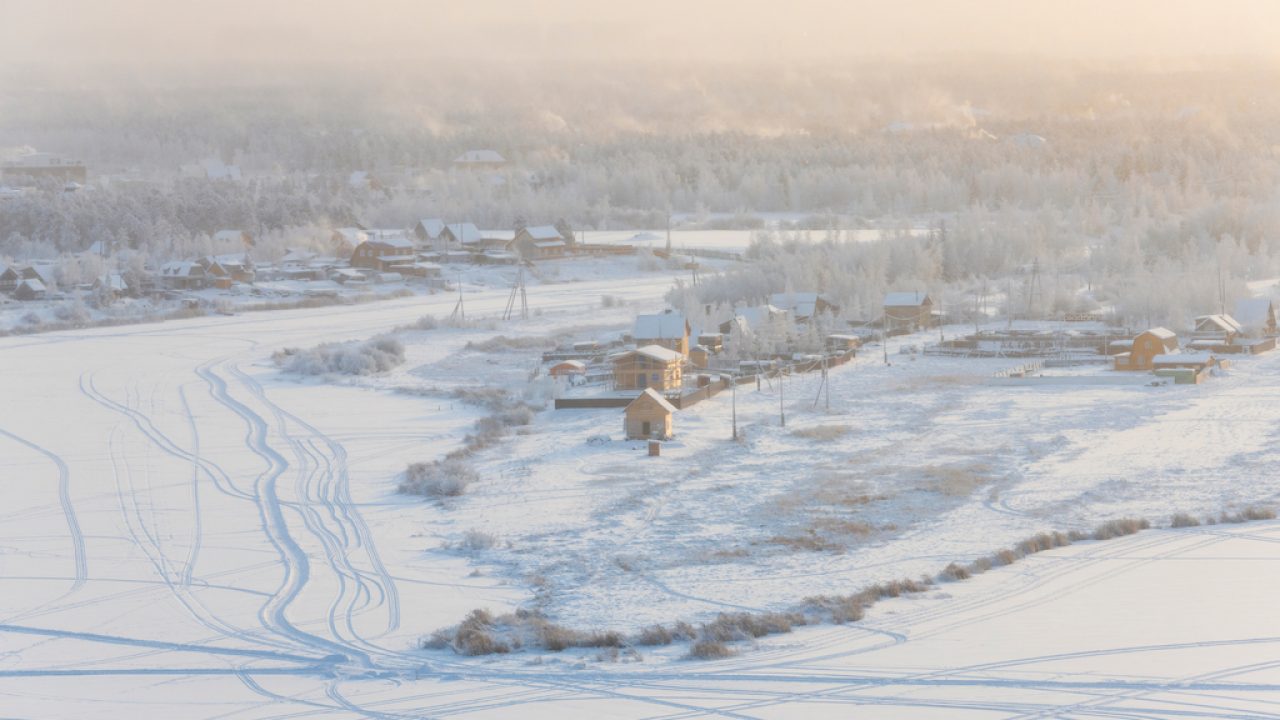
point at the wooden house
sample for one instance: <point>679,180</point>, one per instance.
<point>539,242</point>
<point>183,275</point>
<point>381,251</point>
<point>907,311</point>
<point>466,235</point>
<point>843,343</point>
<point>112,284</point>
<point>651,366</point>
<point>346,240</point>
<point>1145,348</point>
<point>699,356</point>
<point>10,276</point>
<point>430,231</point>
<point>668,329</point>
<point>648,416</point>
<point>30,289</point>
<point>803,306</point>
<point>1219,328</point>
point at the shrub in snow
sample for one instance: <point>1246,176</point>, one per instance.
<point>443,478</point>
<point>710,650</point>
<point>1119,528</point>
<point>370,357</point>
<point>1248,514</point>
<point>1182,520</point>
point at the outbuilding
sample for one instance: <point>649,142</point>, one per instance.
<point>1145,347</point>
<point>648,416</point>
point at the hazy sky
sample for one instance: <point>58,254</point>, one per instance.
<point>176,32</point>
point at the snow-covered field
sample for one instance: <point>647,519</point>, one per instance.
<point>189,532</point>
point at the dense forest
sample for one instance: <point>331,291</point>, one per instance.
<point>1128,185</point>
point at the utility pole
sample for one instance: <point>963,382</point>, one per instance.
<point>459,312</point>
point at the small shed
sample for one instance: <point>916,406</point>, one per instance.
<point>1145,347</point>
<point>568,368</point>
<point>648,416</point>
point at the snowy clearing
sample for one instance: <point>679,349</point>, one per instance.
<point>190,531</point>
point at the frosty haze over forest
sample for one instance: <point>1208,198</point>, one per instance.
<point>664,360</point>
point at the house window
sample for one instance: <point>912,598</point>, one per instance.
<point>654,377</point>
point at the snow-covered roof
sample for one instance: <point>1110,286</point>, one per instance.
<point>654,352</point>
<point>549,243</point>
<point>432,227</point>
<point>44,273</point>
<point>754,317</point>
<point>803,304</point>
<point>662,326</point>
<point>656,397</point>
<point>348,273</point>
<point>1253,312</point>
<point>543,232</point>
<point>570,365</point>
<point>297,255</point>
<point>112,281</point>
<point>32,284</point>
<point>465,233</point>
<point>1163,333</point>
<point>905,299</point>
<point>395,241</point>
<point>499,235</point>
<point>1225,323</point>
<point>181,268</point>
<point>480,156</point>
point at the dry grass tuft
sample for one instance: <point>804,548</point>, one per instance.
<point>822,432</point>
<point>1119,528</point>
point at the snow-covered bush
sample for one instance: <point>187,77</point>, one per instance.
<point>377,355</point>
<point>439,479</point>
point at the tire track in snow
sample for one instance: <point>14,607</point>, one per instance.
<point>271,514</point>
<point>79,558</point>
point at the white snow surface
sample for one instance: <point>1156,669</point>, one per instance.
<point>189,532</point>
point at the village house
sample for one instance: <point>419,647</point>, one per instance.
<point>699,356</point>
<point>539,242</point>
<point>1257,316</point>
<point>667,329</point>
<point>650,366</point>
<point>41,165</point>
<point>30,289</point>
<point>430,231</point>
<point>381,251</point>
<point>803,306</point>
<point>183,275</point>
<point>112,284</point>
<point>44,273</point>
<point>748,320</point>
<point>907,311</point>
<point>648,416</point>
<point>1218,328</point>
<point>463,234</point>
<point>843,343</point>
<point>346,240</point>
<point>10,276</point>
<point>1145,348</point>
